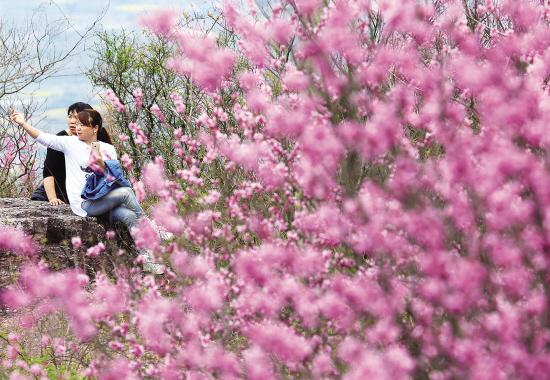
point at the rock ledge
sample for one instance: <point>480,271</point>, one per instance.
<point>52,227</point>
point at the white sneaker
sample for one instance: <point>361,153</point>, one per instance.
<point>161,232</point>
<point>153,268</point>
<point>149,265</point>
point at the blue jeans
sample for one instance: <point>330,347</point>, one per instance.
<point>121,204</point>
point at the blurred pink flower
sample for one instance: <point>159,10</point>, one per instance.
<point>160,22</point>
<point>16,241</point>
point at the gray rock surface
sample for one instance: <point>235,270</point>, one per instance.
<point>53,227</point>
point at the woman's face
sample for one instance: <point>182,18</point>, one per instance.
<point>86,133</point>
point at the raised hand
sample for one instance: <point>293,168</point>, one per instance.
<point>16,117</point>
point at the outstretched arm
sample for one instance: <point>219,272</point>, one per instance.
<point>51,141</point>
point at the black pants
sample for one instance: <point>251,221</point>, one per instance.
<point>39,194</point>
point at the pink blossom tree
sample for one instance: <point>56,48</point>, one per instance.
<point>365,196</point>
<point>18,159</point>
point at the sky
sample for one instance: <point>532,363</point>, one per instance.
<point>70,85</point>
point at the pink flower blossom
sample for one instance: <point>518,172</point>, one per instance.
<point>154,178</point>
<point>205,63</point>
<point>16,241</point>
<point>280,341</point>
<point>118,369</point>
<point>160,22</point>
<point>96,250</point>
<point>115,101</point>
<point>258,364</point>
<point>155,110</point>
<point>145,235</point>
<point>307,6</point>
<point>138,97</point>
<point>166,215</point>
<point>359,190</point>
<point>139,134</point>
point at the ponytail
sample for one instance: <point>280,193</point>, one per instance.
<point>103,136</point>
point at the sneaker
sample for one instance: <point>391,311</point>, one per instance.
<point>153,268</point>
<point>162,233</point>
<point>149,265</point>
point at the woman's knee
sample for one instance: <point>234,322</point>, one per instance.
<point>123,191</point>
<point>124,215</point>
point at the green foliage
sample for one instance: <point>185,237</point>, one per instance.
<point>125,61</point>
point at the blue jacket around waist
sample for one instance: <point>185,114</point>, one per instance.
<point>99,184</point>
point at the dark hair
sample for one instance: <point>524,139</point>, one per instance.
<point>79,107</point>
<point>91,118</point>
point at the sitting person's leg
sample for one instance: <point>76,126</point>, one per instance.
<point>122,205</point>
<point>124,215</point>
<point>122,196</point>
<point>39,194</point>
<point>130,219</point>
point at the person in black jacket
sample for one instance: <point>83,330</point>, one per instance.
<point>52,189</point>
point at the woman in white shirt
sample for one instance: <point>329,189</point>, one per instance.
<point>121,202</point>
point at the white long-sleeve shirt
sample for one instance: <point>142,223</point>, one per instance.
<point>77,157</point>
